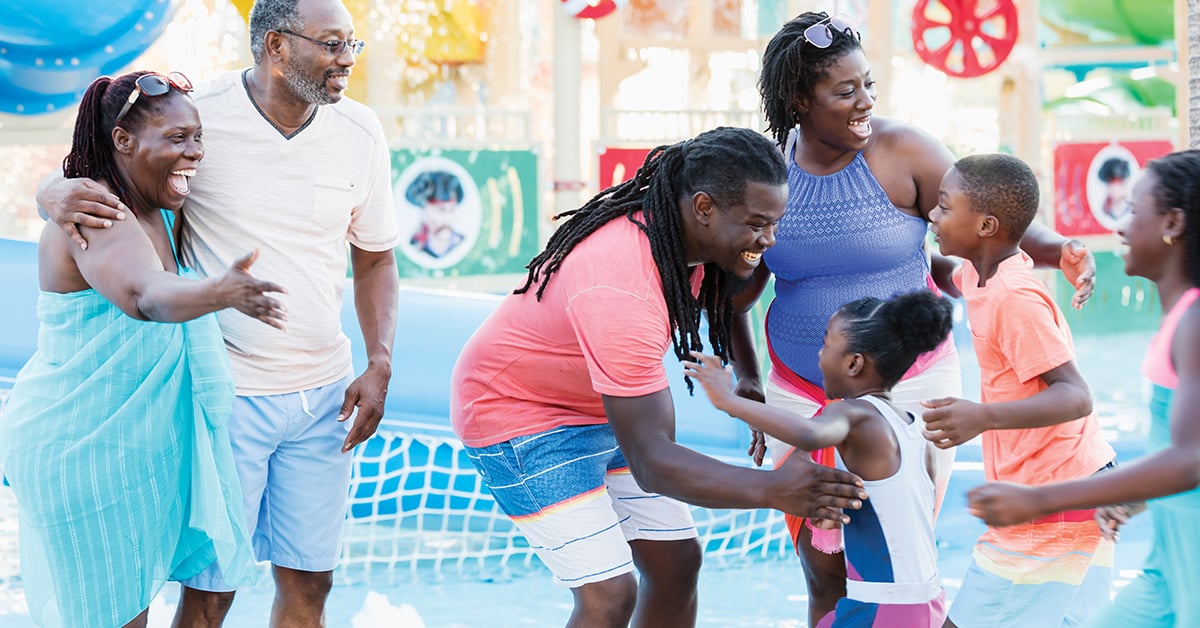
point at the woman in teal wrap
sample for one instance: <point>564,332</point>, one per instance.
<point>114,435</point>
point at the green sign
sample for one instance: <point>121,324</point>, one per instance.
<point>1120,303</point>
<point>465,212</point>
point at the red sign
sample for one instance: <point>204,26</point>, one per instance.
<point>1092,182</point>
<point>618,165</point>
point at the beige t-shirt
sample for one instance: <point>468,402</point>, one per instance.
<point>299,200</point>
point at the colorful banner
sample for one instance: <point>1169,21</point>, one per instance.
<point>1092,182</point>
<point>618,165</point>
<point>465,212</point>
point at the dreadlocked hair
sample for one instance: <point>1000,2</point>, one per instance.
<point>720,162</point>
<point>791,66</point>
<point>92,147</point>
<point>1179,186</point>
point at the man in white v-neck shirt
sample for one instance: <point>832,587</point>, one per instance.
<point>298,171</point>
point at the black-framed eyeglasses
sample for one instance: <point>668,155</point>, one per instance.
<point>334,47</point>
<point>819,34</point>
<point>154,84</point>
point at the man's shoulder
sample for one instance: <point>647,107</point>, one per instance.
<point>217,85</point>
<point>617,235</point>
<point>590,261</point>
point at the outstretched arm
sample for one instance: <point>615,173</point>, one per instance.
<point>1173,470</point>
<point>645,429</point>
<point>951,421</point>
<point>807,435</point>
<point>123,266</point>
<point>376,289</point>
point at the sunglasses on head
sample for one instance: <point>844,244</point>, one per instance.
<point>819,34</point>
<point>154,84</point>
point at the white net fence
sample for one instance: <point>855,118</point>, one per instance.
<point>417,503</point>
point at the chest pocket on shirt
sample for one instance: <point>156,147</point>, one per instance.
<point>333,199</point>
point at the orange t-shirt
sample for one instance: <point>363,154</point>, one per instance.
<point>601,328</point>
<point>1019,334</point>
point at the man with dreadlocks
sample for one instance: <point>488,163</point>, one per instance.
<point>562,400</point>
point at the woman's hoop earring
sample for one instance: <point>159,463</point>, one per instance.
<point>1168,240</point>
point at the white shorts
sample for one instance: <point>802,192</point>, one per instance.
<point>570,492</point>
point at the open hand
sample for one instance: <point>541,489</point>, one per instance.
<point>1079,267</point>
<point>717,380</point>
<point>247,293</point>
<point>817,492</point>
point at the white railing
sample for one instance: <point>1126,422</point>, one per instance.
<point>619,126</point>
<point>457,127</point>
<point>1155,123</point>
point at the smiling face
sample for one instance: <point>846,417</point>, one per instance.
<point>839,113</point>
<point>735,236</point>
<point>955,223</point>
<point>834,358</point>
<point>160,157</point>
<point>1142,231</point>
<point>316,76</point>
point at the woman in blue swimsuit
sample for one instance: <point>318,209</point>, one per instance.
<point>860,189</point>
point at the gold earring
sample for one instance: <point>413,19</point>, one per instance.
<point>1167,240</point>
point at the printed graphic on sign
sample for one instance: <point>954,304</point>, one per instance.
<point>439,212</point>
<point>1109,181</point>
<point>1092,182</point>
<point>465,212</point>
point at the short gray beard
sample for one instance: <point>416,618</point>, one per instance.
<point>305,87</point>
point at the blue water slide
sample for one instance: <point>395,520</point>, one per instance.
<point>50,51</point>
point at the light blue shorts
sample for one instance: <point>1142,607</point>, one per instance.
<point>295,478</point>
<point>570,492</point>
<point>986,600</point>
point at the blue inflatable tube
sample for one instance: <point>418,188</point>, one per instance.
<point>51,51</point>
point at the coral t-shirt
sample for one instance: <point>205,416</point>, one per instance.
<point>1019,334</point>
<point>601,328</point>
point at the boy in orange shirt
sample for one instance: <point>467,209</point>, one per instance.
<point>1036,412</point>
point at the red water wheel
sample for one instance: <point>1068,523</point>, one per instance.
<point>964,38</point>
<point>592,9</point>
